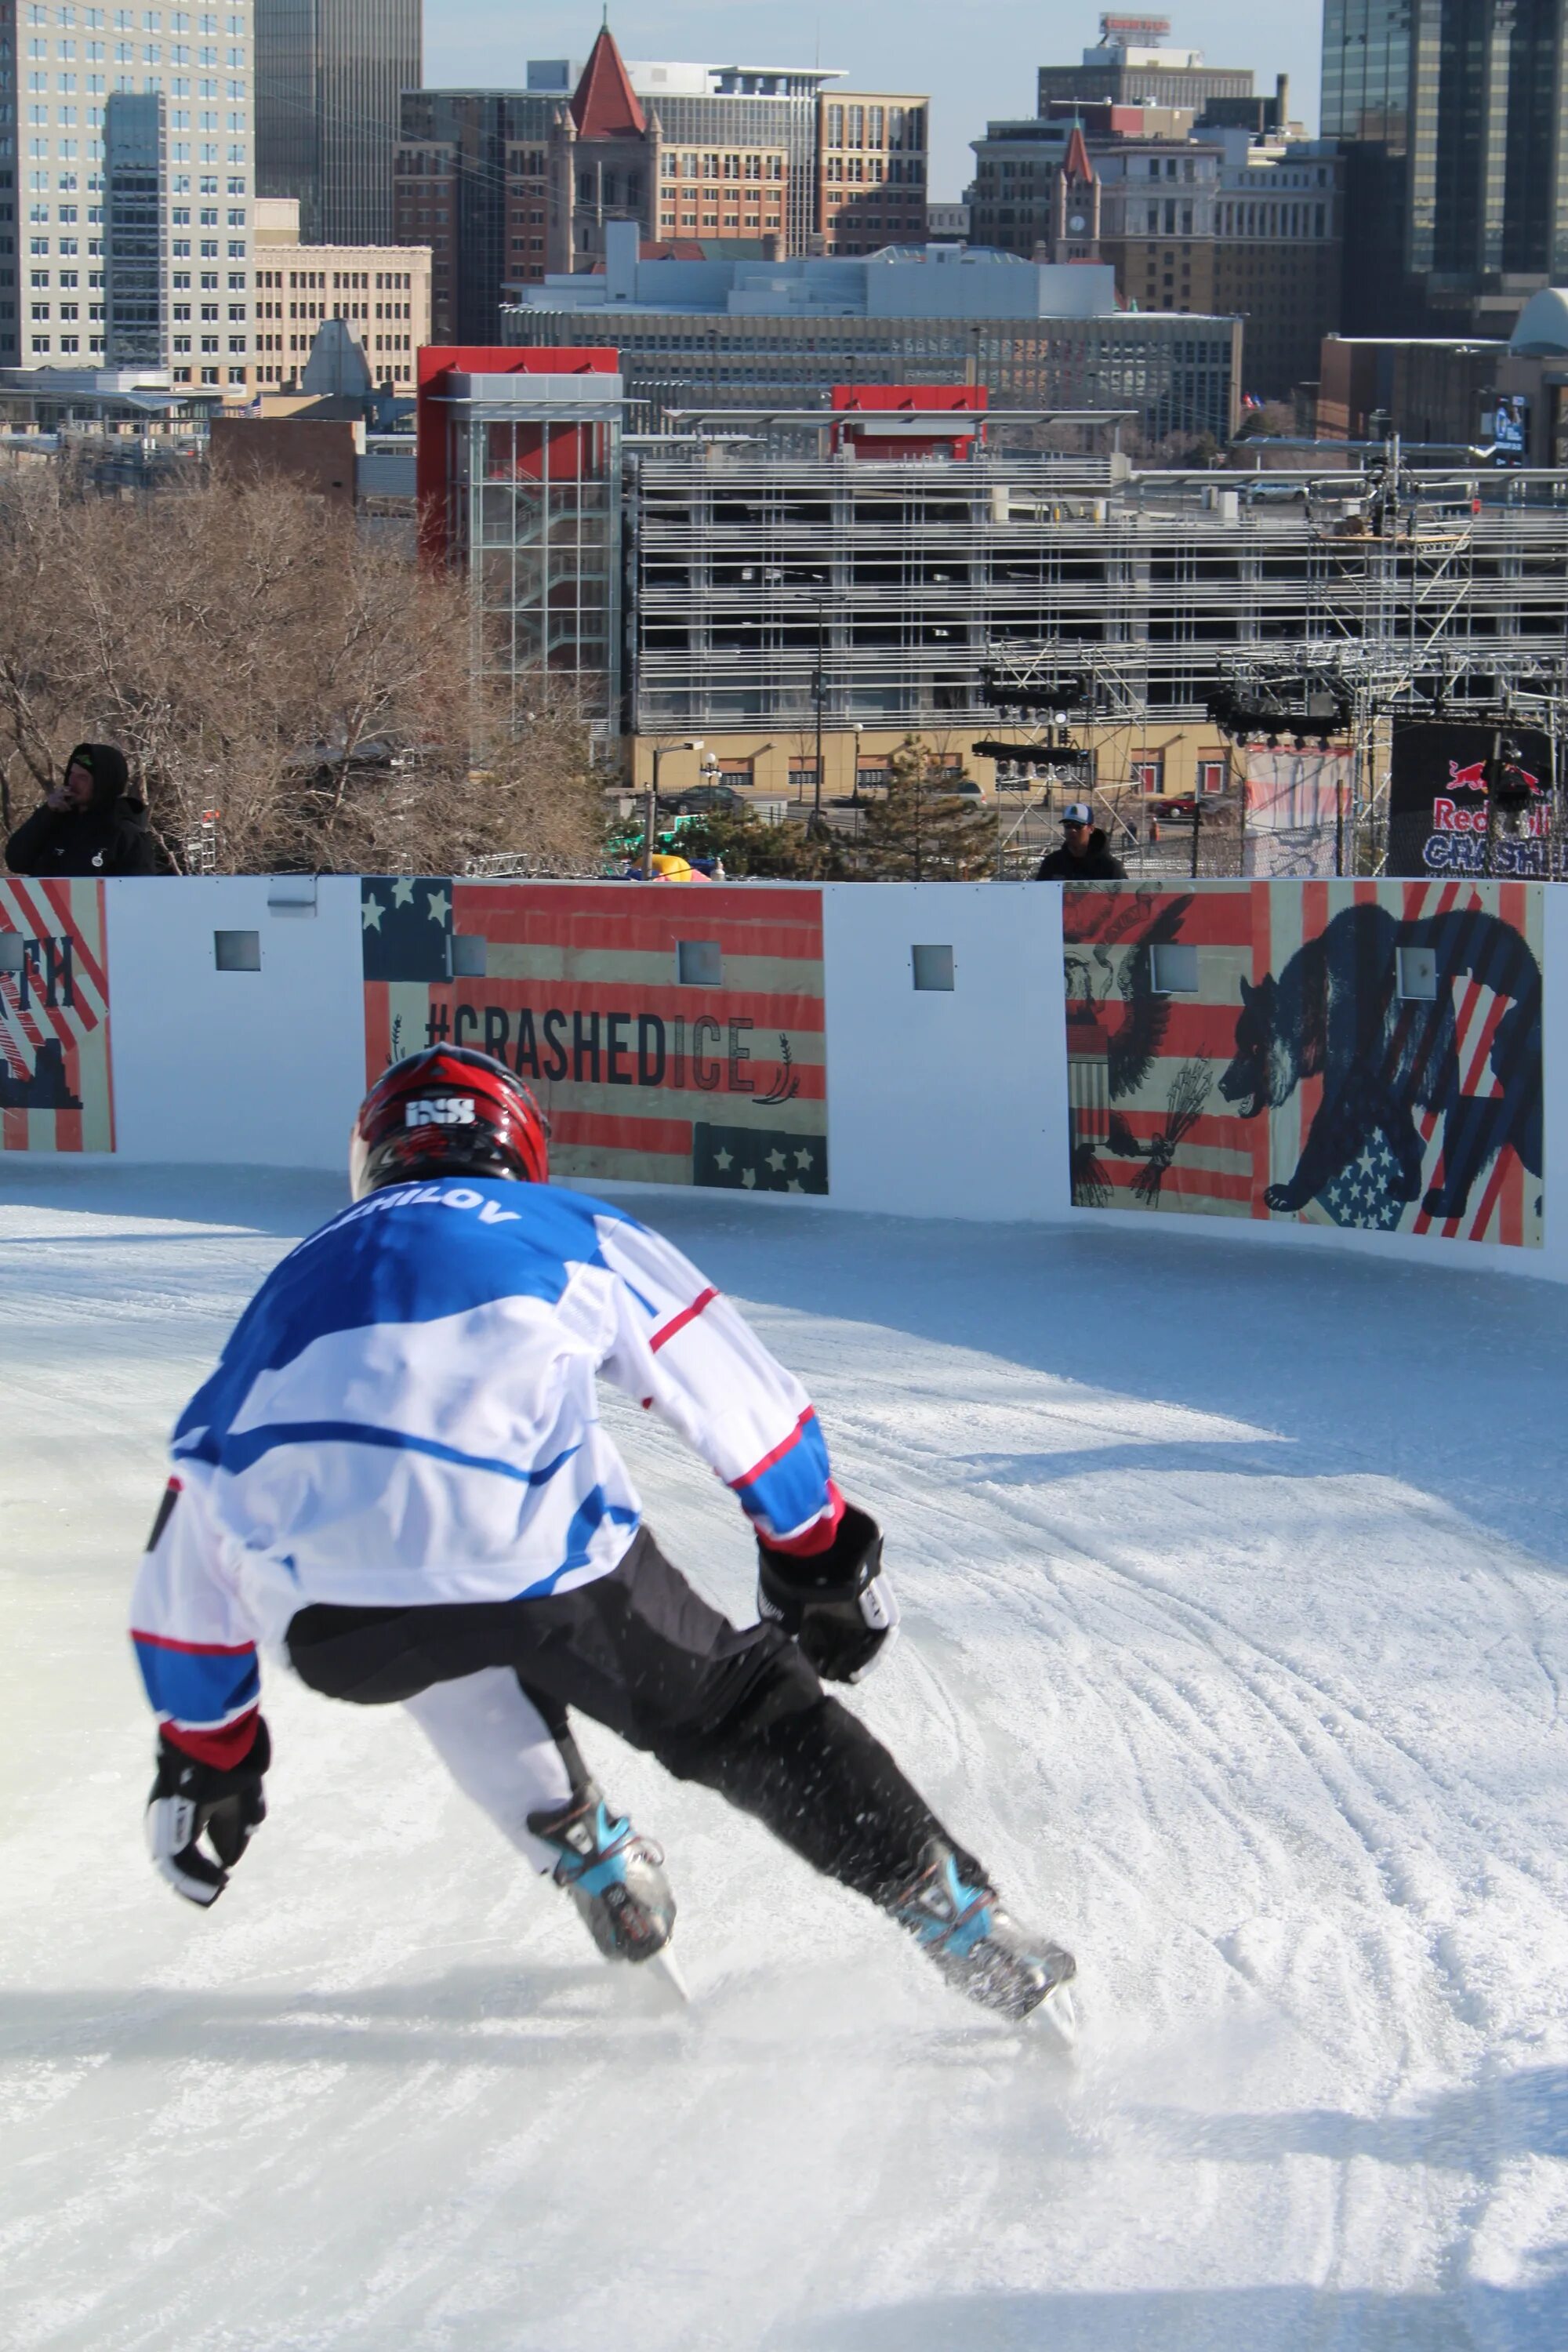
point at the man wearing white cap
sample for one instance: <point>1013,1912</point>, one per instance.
<point>1084,856</point>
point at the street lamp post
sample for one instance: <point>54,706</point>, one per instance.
<point>651,816</point>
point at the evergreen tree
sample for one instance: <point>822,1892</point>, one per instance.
<point>746,847</point>
<point>921,830</point>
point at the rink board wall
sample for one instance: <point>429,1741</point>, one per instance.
<point>813,1060</point>
<point>1365,1055</point>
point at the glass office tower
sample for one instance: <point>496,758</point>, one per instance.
<point>159,100</point>
<point>328,77</point>
<point>135,229</point>
<point>1453,116</point>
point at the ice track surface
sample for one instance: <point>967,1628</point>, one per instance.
<point>1237,1631</point>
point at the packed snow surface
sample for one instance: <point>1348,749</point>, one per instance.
<point>1236,1626</point>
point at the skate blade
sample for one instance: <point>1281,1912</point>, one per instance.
<point>1058,2015</point>
<point>665,1969</point>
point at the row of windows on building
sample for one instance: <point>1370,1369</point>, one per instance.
<point>874,126</point>
<point>69,215</point>
<point>719,222</point>
<point>39,16</point>
<point>869,170</point>
<point>65,282</point>
<point>1289,220</point>
<point>354,281</point>
<point>64,151</point>
<point>275,371</point>
<point>315,311</point>
<point>269,341</point>
<point>690,165</point>
<point>97,84</point>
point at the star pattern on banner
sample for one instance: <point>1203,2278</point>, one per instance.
<point>405,922</point>
<point>759,1159</point>
<point>1363,1194</point>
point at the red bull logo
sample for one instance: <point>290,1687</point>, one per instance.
<point>1473,778</point>
<point>1447,816</point>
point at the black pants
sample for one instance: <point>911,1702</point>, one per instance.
<point>738,1709</point>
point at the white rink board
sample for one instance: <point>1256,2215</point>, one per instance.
<point>941,1104</point>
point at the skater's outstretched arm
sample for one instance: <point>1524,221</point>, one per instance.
<point>197,1650</point>
<point>678,1346</point>
<point>682,1349</point>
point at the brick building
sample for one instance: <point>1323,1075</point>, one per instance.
<point>509,186</point>
<point>382,291</point>
<point>870,170</point>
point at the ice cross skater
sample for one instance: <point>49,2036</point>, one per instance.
<point>397,1476</point>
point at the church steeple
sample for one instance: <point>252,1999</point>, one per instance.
<point>604,105</point>
<point>1075,224</point>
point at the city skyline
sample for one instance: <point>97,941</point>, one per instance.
<point>472,42</point>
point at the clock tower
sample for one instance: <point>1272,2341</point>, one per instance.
<point>1075,211</point>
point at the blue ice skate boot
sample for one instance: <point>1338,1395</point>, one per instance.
<point>957,1920</point>
<point>614,1876</point>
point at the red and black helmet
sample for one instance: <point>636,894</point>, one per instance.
<point>447,1111</point>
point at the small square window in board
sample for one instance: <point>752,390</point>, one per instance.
<point>1417,973</point>
<point>237,950</point>
<point>933,967</point>
<point>1175,968</point>
<point>698,963</point>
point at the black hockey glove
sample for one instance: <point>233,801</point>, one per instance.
<point>838,1604</point>
<point>189,1801</point>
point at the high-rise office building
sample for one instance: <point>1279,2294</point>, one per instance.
<point>470,183</point>
<point>136,229</point>
<point>1214,221</point>
<point>381,293</point>
<point>329,75</point>
<point>507,186</point>
<point>1452,115</point>
<point>1132,65</point>
<point>871,170</point>
<point>87,278</point>
<point>750,107</point>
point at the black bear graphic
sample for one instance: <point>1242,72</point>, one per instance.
<point>1335,1013</point>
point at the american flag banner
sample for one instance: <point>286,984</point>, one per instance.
<point>1349,1053</point>
<point>57,1088</point>
<point>674,1034</point>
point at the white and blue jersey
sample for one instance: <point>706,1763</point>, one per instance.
<point>406,1414</point>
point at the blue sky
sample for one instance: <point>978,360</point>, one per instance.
<point>976,61</point>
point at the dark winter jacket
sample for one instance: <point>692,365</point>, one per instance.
<point>109,835</point>
<point>1096,865</point>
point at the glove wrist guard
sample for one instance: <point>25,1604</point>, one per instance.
<point>837,1603</point>
<point>189,1801</point>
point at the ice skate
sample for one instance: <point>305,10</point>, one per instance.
<point>955,1917</point>
<point>614,1876</point>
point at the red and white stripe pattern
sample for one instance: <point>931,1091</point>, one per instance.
<point>581,997</point>
<point>1220,1163</point>
<point>65,919</point>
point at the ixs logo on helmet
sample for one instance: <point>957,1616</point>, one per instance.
<point>440,1110</point>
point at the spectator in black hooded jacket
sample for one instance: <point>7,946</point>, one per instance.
<point>1084,856</point>
<point>92,822</point>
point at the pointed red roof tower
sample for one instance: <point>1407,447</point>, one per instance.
<point>605,106</point>
<point>1075,203</point>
